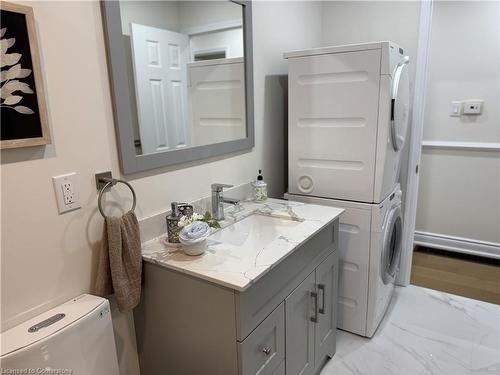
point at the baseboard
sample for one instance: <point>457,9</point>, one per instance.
<point>458,244</point>
<point>470,146</point>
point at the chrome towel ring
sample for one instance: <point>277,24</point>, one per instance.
<point>109,182</point>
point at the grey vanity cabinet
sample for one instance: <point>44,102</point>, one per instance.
<point>300,329</point>
<point>326,325</point>
<point>311,320</point>
<point>187,325</point>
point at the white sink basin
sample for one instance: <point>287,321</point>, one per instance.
<point>255,231</point>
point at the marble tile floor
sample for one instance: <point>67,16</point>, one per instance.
<point>424,332</point>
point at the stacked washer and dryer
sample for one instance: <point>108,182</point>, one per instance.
<point>348,119</point>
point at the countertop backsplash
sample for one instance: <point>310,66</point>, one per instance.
<point>154,226</point>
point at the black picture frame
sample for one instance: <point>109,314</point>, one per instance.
<point>22,105</point>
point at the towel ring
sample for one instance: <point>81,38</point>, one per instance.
<point>111,182</point>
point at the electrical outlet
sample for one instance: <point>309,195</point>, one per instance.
<point>66,188</point>
<point>472,107</point>
<point>67,191</point>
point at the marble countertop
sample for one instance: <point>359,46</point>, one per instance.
<point>238,267</point>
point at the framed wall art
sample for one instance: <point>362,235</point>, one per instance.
<point>22,105</point>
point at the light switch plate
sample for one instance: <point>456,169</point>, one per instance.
<point>456,109</point>
<point>67,192</point>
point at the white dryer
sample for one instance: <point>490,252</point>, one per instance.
<point>348,118</point>
<point>369,254</point>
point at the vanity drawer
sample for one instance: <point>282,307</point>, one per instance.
<point>264,349</point>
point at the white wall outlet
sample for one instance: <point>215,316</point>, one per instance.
<point>456,109</point>
<point>67,192</point>
<point>472,107</point>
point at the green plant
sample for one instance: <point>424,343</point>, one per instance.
<point>207,218</point>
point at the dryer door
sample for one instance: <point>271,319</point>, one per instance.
<point>391,252</point>
<point>400,105</point>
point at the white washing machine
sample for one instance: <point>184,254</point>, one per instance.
<point>369,254</point>
<point>348,119</point>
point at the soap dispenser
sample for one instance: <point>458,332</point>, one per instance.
<point>259,188</point>
<point>172,223</point>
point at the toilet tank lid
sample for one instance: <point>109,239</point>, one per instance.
<point>77,308</point>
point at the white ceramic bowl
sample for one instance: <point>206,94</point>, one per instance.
<point>197,245</point>
<point>197,248</point>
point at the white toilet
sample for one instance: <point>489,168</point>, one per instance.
<point>73,338</point>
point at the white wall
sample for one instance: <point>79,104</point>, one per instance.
<point>459,194</point>
<point>347,22</point>
<point>197,13</point>
<point>464,63</point>
<point>177,15</point>
<point>48,258</point>
<point>229,40</point>
<point>160,14</point>
<point>459,191</point>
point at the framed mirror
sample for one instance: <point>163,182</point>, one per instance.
<point>182,79</point>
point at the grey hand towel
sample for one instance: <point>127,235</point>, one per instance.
<point>119,266</point>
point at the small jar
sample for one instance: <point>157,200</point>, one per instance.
<point>259,190</point>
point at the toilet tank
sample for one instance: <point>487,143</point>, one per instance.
<point>73,338</point>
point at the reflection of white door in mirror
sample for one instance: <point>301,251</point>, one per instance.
<point>159,58</point>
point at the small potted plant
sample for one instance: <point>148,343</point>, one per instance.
<point>194,231</point>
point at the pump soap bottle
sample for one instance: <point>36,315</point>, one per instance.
<point>259,188</point>
<point>172,221</point>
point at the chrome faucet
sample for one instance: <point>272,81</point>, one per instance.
<point>218,200</point>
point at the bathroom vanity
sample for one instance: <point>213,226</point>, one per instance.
<point>261,300</point>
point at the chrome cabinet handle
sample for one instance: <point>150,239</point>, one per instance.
<point>266,350</point>
<point>322,287</point>
<point>314,318</point>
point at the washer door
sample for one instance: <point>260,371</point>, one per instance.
<point>391,253</point>
<point>400,104</point>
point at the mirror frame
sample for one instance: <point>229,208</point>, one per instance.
<point>120,92</point>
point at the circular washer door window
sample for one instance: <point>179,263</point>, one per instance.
<point>392,245</point>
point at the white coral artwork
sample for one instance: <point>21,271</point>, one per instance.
<point>11,73</point>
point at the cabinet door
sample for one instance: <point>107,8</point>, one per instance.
<point>280,370</point>
<point>326,284</point>
<point>300,307</point>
